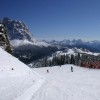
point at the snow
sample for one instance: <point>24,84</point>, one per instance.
<point>23,83</point>
<point>7,62</point>
<point>73,52</point>
<point>17,82</point>
<point>50,58</point>
<point>27,95</point>
<point>62,84</point>
<point>70,51</point>
<point>1,33</point>
<point>88,52</point>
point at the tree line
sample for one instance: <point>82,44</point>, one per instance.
<point>79,59</point>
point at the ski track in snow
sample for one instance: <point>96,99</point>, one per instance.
<point>61,84</point>
<point>27,95</point>
<point>19,83</point>
<point>20,87</point>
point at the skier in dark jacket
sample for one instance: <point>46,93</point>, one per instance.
<point>71,69</point>
<point>47,71</point>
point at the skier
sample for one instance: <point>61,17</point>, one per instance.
<point>47,71</point>
<point>71,69</point>
<point>12,68</point>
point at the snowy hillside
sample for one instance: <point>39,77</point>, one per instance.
<point>18,82</point>
<point>76,50</point>
<point>72,51</point>
<point>64,57</point>
<point>17,79</point>
<point>62,84</point>
<point>8,62</point>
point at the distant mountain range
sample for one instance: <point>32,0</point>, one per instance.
<point>93,46</point>
<point>25,46</point>
<point>49,60</point>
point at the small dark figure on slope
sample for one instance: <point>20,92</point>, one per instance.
<point>47,71</point>
<point>71,69</point>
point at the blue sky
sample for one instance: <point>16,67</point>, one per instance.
<point>56,19</point>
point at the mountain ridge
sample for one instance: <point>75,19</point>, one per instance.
<point>93,46</point>
<point>23,43</point>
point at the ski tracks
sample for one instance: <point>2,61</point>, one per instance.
<point>49,91</point>
<point>27,94</point>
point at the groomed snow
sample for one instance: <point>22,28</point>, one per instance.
<point>62,84</point>
<point>7,62</point>
<point>17,79</point>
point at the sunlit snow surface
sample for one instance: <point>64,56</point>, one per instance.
<point>23,83</point>
<point>62,84</point>
<point>17,79</point>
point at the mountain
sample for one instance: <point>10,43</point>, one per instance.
<point>64,55</point>
<point>75,51</point>
<point>25,46</point>
<point>93,46</point>
<point>19,33</point>
<point>17,30</point>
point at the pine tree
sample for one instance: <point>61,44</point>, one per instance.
<point>72,59</point>
<point>77,59</point>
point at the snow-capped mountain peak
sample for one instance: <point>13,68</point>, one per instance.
<point>19,34</point>
<point>17,29</point>
<point>93,46</point>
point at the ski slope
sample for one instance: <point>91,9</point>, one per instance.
<point>17,81</point>
<point>62,84</point>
